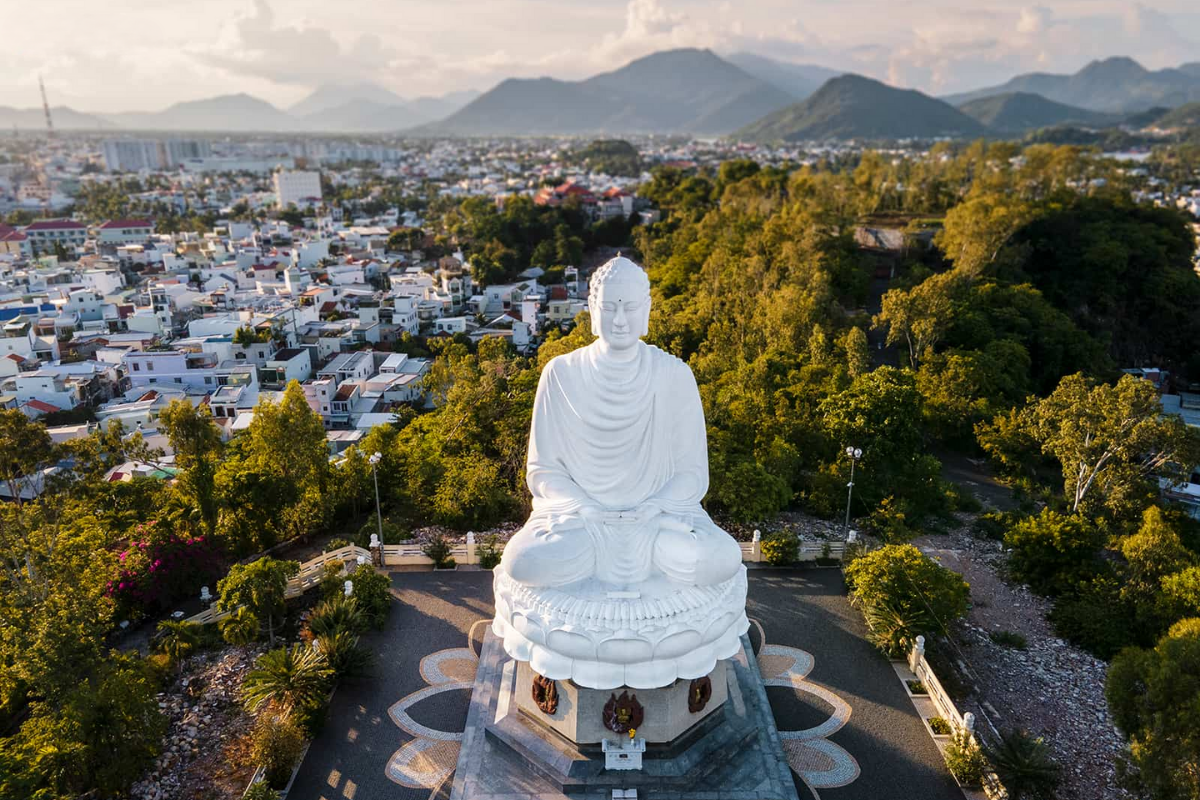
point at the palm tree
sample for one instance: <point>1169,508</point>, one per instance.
<point>286,680</point>
<point>1024,766</point>
<point>177,638</point>
<point>240,627</point>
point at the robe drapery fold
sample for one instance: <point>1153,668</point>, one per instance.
<point>617,435</point>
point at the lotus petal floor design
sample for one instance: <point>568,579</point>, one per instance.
<point>820,763</point>
<point>428,760</point>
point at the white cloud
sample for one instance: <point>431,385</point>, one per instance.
<point>183,50</point>
<point>257,45</point>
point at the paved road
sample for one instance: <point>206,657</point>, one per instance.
<point>802,609</point>
<point>807,609</point>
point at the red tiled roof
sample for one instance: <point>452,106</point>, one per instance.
<point>329,306</point>
<point>5,230</point>
<point>127,223</point>
<point>13,236</point>
<point>16,358</point>
<point>558,293</point>
<point>45,408</point>
<point>54,225</point>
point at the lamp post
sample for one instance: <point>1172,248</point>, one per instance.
<point>855,454</point>
<point>373,461</point>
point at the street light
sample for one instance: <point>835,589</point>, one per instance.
<point>855,454</point>
<point>373,460</point>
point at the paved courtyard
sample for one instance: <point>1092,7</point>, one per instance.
<point>848,727</point>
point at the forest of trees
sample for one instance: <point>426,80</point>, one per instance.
<point>1002,339</point>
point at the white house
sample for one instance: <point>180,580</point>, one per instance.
<point>125,231</point>
<point>297,187</point>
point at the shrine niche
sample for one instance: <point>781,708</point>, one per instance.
<point>545,694</point>
<point>623,713</point>
<point>699,694</point>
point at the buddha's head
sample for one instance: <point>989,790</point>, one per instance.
<point>619,302</point>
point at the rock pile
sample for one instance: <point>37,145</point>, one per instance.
<point>205,720</point>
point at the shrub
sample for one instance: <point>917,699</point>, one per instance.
<point>437,548</point>
<point>916,687</point>
<point>889,521</point>
<point>240,627</point>
<point>1024,766</point>
<point>994,524</point>
<point>275,745</point>
<point>893,629</point>
<point>336,615</point>
<point>177,639</point>
<point>781,548</point>
<point>333,580</point>
<point>260,791</point>
<point>1010,639</point>
<point>1054,552</point>
<point>372,594</point>
<point>964,759</point>
<point>939,726</point>
<point>336,544</point>
<point>392,533</point>
<point>1096,618</point>
<point>157,570</point>
<point>489,550</point>
<point>1153,695</point>
<point>959,498</point>
<point>343,654</point>
<point>904,593</point>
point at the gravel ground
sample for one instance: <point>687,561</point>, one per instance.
<point>1051,688</point>
<point>205,753</point>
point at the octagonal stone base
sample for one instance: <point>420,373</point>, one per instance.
<point>579,717</point>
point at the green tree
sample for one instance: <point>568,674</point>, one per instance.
<point>196,441</point>
<point>99,736</point>
<point>900,582</point>
<point>1054,552</point>
<point>177,639</point>
<point>858,353</point>
<point>26,449</point>
<point>1154,696</point>
<point>259,587</point>
<point>1110,441</point>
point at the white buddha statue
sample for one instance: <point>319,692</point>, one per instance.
<point>617,459</point>
<point>617,466</point>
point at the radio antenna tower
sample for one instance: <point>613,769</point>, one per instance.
<point>46,108</point>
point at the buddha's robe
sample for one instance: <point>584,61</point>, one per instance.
<point>615,436</point>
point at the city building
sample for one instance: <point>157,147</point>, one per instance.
<point>297,187</point>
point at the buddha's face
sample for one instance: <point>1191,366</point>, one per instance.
<point>620,313</point>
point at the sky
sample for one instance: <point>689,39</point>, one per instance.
<point>143,55</point>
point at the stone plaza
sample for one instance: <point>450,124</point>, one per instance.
<point>844,721</point>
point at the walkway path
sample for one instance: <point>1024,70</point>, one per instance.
<point>375,746</point>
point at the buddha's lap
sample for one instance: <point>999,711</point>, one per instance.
<point>570,551</point>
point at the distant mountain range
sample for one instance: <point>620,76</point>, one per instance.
<point>694,92</point>
<point>854,107</point>
<point>676,91</point>
<point>798,80</point>
<point>1018,112</point>
<point>1116,84</point>
<point>362,107</point>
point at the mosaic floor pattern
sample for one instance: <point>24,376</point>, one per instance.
<point>428,760</point>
